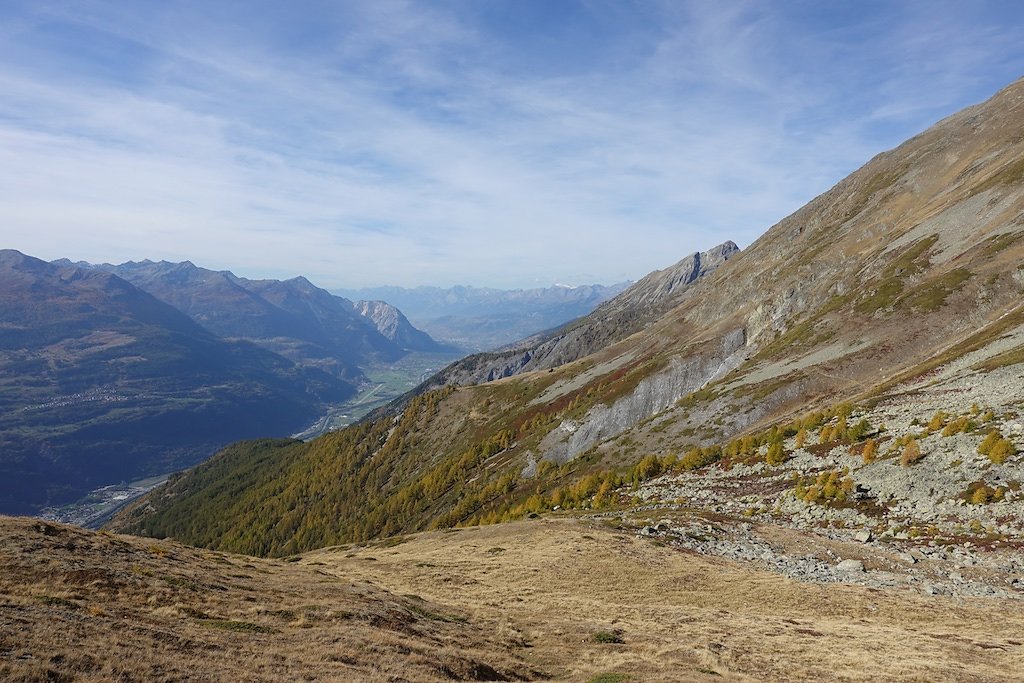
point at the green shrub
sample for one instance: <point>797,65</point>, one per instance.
<point>610,677</point>
<point>696,458</point>
<point>608,637</point>
<point>984,494</point>
<point>937,421</point>
<point>776,455</point>
<point>826,487</point>
<point>1001,451</point>
<point>959,426</point>
<point>858,431</point>
<point>990,440</point>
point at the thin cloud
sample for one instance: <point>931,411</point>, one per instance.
<point>413,143</point>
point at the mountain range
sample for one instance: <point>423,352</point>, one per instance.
<point>102,382</point>
<point>114,373</point>
<point>905,272</point>
<point>483,318</point>
<point>293,317</point>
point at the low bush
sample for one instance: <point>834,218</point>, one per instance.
<point>826,487</point>
<point>911,453</point>
<point>997,448</point>
<point>869,452</point>
<point>608,637</point>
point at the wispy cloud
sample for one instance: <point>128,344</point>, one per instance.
<point>487,143</point>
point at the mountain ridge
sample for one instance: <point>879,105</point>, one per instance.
<point>619,317</point>
<point>293,317</point>
<point>393,324</point>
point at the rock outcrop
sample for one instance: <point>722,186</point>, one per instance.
<point>391,323</point>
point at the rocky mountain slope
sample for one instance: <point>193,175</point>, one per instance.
<point>294,318</point>
<point>482,318</point>
<point>896,294</point>
<point>395,327</point>
<point>627,313</point>
<point>555,599</point>
<point>101,382</point>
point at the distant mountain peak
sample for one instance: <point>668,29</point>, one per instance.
<point>391,323</point>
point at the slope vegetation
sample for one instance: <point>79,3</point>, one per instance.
<point>82,606</point>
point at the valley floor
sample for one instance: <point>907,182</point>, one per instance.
<point>533,600</point>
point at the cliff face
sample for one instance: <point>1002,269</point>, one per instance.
<point>651,396</point>
<point>394,326</point>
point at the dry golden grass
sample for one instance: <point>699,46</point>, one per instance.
<point>686,617</point>
<point>524,601</point>
<point>83,606</point>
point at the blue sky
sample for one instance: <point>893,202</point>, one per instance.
<point>516,143</point>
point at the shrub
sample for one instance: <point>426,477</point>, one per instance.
<point>986,445</point>
<point>833,486</point>
<point>897,444</point>
<point>911,453</point>
<point>959,426</point>
<point>647,468</point>
<point>937,421</point>
<point>696,458</point>
<point>610,678</point>
<point>801,437</point>
<point>825,435</point>
<point>858,431</point>
<point>840,430</point>
<point>870,451</point>
<point>608,637</point>
<point>776,455</point>
<point>985,494</point>
<point>812,420</point>
<point>1001,451</point>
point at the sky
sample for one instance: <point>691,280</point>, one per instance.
<point>514,143</point>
